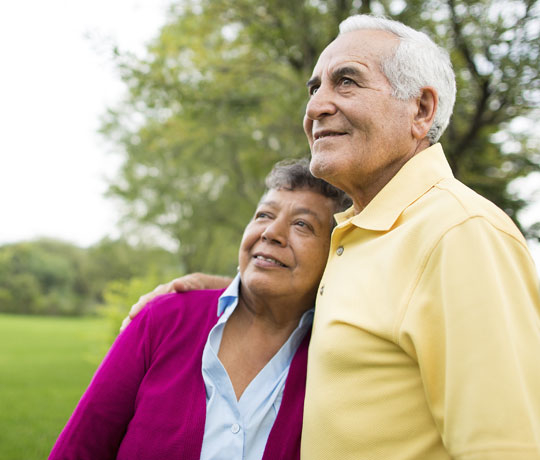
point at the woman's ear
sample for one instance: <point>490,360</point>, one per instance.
<point>426,106</point>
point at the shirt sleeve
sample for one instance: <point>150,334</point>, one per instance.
<point>99,422</point>
<point>473,326</point>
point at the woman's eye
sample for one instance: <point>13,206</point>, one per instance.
<point>303,224</point>
<point>347,82</point>
<point>261,215</point>
<point>313,90</point>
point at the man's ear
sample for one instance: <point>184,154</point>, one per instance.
<point>426,106</point>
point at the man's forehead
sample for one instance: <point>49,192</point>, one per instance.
<point>360,47</point>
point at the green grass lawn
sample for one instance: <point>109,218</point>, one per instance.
<point>45,365</point>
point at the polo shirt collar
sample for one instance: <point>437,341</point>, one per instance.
<point>415,178</point>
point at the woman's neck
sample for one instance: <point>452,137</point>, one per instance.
<point>252,336</point>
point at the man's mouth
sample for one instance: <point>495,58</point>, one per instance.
<point>270,260</point>
<point>326,133</point>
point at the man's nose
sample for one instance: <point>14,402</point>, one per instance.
<point>321,103</point>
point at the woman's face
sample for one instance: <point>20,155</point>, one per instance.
<point>285,246</point>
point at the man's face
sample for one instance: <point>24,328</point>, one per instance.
<point>358,133</point>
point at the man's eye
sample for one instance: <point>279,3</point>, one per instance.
<point>347,82</point>
<point>261,215</point>
<point>313,90</point>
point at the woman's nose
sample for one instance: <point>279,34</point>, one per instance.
<point>275,233</point>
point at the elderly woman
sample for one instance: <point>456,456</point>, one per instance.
<point>213,374</point>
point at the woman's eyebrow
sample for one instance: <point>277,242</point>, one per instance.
<point>269,203</point>
<point>308,211</point>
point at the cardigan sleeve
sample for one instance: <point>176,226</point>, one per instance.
<point>99,422</point>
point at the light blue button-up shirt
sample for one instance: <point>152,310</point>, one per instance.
<point>238,429</point>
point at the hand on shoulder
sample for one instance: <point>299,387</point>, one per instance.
<point>191,282</point>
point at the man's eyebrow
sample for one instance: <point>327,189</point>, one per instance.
<point>336,75</point>
<point>346,71</point>
<point>313,81</point>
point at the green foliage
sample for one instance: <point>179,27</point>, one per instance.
<point>46,365</point>
<point>120,295</point>
<point>117,260</point>
<point>43,277</point>
<point>49,277</point>
<point>219,97</point>
<point>496,54</point>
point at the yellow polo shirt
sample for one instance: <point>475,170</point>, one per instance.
<point>426,339</point>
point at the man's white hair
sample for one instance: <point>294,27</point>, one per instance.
<point>416,62</point>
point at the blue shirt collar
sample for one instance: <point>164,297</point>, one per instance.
<point>229,296</point>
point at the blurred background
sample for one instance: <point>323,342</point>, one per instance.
<point>136,135</point>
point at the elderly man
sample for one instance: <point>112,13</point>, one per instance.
<point>426,332</point>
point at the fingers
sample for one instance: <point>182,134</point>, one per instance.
<point>189,282</point>
<point>185,283</point>
<point>125,323</point>
<point>143,300</point>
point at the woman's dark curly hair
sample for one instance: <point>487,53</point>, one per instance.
<point>294,174</point>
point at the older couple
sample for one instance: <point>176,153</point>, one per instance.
<point>427,321</point>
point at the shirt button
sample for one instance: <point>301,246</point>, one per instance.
<point>339,250</point>
<point>235,428</point>
<point>321,290</point>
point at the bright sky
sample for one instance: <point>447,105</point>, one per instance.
<point>55,83</point>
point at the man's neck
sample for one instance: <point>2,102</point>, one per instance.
<point>364,195</point>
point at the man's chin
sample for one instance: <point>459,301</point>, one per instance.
<point>327,171</point>
<point>319,165</point>
<point>315,167</point>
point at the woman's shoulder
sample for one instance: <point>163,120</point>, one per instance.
<point>183,308</point>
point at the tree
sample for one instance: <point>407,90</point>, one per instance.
<point>110,261</point>
<point>120,294</point>
<point>219,97</point>
<point>51,277</point>
<point>43,277</point>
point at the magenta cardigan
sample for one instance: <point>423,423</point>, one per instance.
<point>147,399</point>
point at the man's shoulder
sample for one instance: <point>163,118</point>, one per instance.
<point>455,203</point>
